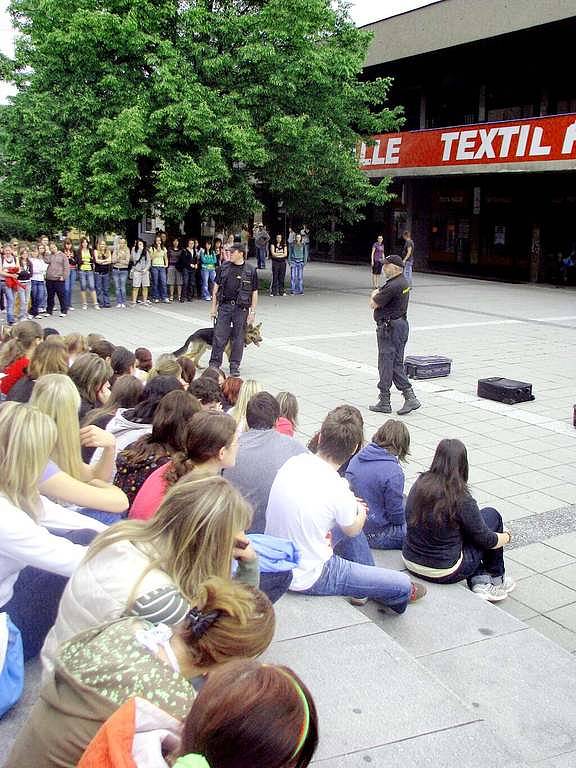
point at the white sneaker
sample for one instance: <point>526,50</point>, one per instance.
<point>118,306</point>
<point>84,306</point>
<point>96,306</point>
<point>166,301</point>
<point>508,584</point>
<point>71,309</point>
<point>492,593</point>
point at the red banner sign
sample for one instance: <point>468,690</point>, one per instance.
<point>535,139</point>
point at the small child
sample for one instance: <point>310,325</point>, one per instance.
<point>288,420</point>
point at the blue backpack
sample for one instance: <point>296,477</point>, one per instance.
<point>11,664</point>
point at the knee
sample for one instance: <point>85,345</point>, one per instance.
<point>492,518</point>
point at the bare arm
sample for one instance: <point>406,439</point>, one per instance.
<point>94,437</point>
<point>104,497</point>
<point>358,524</point>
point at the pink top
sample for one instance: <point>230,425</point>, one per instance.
<point>285,426</point>
<point>151,494</point>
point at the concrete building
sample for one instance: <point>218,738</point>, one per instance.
<point>484,169</point>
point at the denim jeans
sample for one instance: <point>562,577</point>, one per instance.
<point>38,296</point>
<point>274,585</point>
<point>188,284</point>
<point>69,287</point>
<point>306,251</point>
<point>8,294</point>
<point>389,537</point>
<point>208,280</point>
<point>159,285</point>
<point>24,297</point>
<point>86,280</point>
<point>120,278</point>
<point>102,281</point>
<point>297,277</point>
<point>261,253</point>
<point>408,271</point>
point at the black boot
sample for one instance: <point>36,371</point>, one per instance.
<point>382,406</point>
<point>411,402</point>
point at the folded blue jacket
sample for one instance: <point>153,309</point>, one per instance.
<point>274,554</point>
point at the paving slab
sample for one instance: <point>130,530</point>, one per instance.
<point>368,691</point>
<point>567,760</point>
<point>565,616</point>
<point>522,684</point>
<point>467,746</point>
<point>566,542</point>
<point>301,615</point>
<point>543,594</point>
<point>539,557</point>
<point>553,631</point>
<point>450,615</point>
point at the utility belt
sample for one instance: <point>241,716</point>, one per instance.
<point>386,323</point>
<point>234,303</point>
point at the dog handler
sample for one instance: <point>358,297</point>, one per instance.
<point>390,304</point>
<point>234,300</point>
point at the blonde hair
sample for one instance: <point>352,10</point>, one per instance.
<point>90,373</point>
<point>247,391</point>
<point>22,337</point>
<point>166,365</point>
<point>57,397</point>
<point>288,407</point>
<point>228,620</point>
<point>76,344</point>
<point>48,357</point>
<point>192,535</point>
<point>27,438</point>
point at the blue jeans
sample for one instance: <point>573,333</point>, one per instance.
<point>297,277</point>
<point>102,280</point>
<point>208,280</point>
<point>120,278</point>
<point>306,251</point>
<point>388,537</point>
<point>9,303</point>
<point>408,271</point>
<point>69,287</point>
<point>86,280</point>
<point>38,296</point>
<point>261,253</point>
<point>274,585</point>
<point>24,296</point>
<point>159,285</point>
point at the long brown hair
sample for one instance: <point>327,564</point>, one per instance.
<point>251,714</point>
<point>206,434</point>
<point>22,337</point>
<point>438,493</point>
<point>126,392</point>
<point>48,358</point>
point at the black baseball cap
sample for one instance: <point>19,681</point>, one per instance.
<point>394,259</point>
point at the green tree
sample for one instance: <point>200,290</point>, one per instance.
<point>195,104</point>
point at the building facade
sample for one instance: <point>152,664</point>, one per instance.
<point>484,168</point>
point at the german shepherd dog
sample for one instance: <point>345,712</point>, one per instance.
<point>199,341</point>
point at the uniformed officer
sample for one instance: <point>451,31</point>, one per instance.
<point>390,304</point>
<point>234,300</point>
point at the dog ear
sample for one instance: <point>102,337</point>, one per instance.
<point>257,327</point>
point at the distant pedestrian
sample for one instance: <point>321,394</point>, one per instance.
<point>102,272</point>
<point>174,274</point>
<point>56,276</point>
<point>305,232</point>
<point>278,259</point>
<point>158,267</point>
<point>377,260</point>
<point>291,239</point>
<point>86,273</point>
<point>297,262</point>
<point>71,281</point>
<point>140,272</point>
<point>408,255</point>
<point>262,238</point>
<point>188,267</point>
<point>208,264</point>
<point>120,266</point>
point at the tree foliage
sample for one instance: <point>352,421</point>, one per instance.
<point>188,104</point>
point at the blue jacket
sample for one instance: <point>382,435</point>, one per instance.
<point>376,476</point>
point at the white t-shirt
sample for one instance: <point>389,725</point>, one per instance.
<point>307,500</point>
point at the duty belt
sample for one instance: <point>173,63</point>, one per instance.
<point>388,320</point>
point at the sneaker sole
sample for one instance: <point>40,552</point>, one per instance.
<point>490,598</point>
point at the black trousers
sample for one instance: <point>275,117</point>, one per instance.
<point>392,339</point>
<point>56,288</point>
<point>230,326</point>
<point>278,277</point>
<point>188,284</point>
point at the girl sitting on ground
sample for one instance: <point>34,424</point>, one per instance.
<point>448,538</point>
<point>46,358</point>
<point>100,669</point>
<point>126,392</point>
<point>247,391</point>
<point>76,345</point>
<point>230,392</point>
<point>33,561</point>
<point>375,475</point>
<point>247,715</point>
<point>210,444</point>
<point>287,423</point>
<point>122,361</point>
<point>91,375</point>
<point>143,363</point>
<point>15,353</point>
<point>137,462</point>
<point>67,478</point>
<point>152,569</point>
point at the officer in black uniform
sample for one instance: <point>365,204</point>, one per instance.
<point>390,304</point>
<point>234,301</point>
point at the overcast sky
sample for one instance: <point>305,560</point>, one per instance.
<point>363,12</point>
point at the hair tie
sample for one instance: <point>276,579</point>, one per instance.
<point>199,623</point>
<point>306,723</point>
<point>192,761</point>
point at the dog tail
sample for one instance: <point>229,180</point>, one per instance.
<point>184,347</point>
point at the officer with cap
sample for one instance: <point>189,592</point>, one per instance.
<point>234,300</point>
<point>390,304</point>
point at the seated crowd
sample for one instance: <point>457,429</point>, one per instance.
<point>150,520</point>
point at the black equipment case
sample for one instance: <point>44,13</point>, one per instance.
<point>505,390</point>
<point>431,367</point>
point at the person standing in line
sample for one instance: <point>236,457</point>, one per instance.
<point>390,304</point>
<point>174,274</point>
<point>227,248</point>
<point>38,285</point>
<point>159,264</point>
<point>234,300</point>
<point>305,232</point>
<point>56,276</point>
<point>208,264</point>
<point>24,283</point>
<point>377,260</point>
<point>140,272</point>
<point>188,267</point>
<point>408,255</point>
<point>86,273</point>
<point>72,263</point>
<point>278,258</point>
<point>9,276</point>
<point>291,239</point>
<point>102,268</point>
<point>262,240</point>
<point>297,261</point>
<point>120,266</point>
